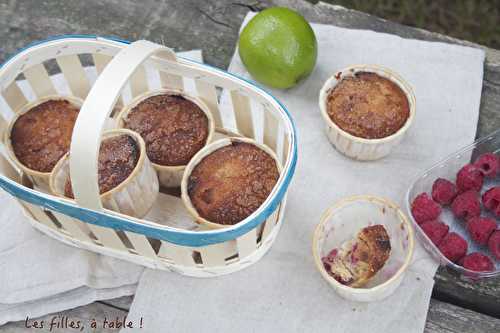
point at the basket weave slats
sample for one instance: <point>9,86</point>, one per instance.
<point>38,214</point>
<point>108,237</point>
<point>166,238</point>
<point>213,255</point>
<point>247,243</point>
<point>141,244</point>
<point>208,94</point>
<point>100,62</point>
<point>73,72</point>
<point>243,114</point>
<point>181,255</point>
<point>138,82</point>
<point>286,149</point>
<point>270,224</point>
<point>270,130</point>
<point>14,97</point>
<point>74,227</point>
<point>171,81</point>
<point>40,81</point>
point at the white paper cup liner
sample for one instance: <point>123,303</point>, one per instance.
<point>343,221</point>
<point>134,196</point>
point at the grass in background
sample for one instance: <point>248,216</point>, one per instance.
<point>474,20</point>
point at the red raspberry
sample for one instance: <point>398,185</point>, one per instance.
<point>480,229</point>
<point>466,205</point>
<point>487,164</point>
<point>491,200</point>
<point>328,259</point>
<point>424,208</point>
<point>494,244</point>
<point>453,246</point>
<point>331,256</point>
<point>469,178</point>
<point>443,191</point>
<point>477,262</point>
<point>435,230</point>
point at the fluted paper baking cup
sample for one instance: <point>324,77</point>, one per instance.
<point>343,221</point>
<point>134,196</point>
<point>40,179</point>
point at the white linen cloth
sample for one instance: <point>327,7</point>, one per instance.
<point>284,292</point>
<point>41,275</point>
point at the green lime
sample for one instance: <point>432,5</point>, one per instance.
<point>278,47</point>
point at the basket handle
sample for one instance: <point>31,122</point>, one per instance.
<point>86,138</point>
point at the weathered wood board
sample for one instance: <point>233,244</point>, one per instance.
<point>442,317</point>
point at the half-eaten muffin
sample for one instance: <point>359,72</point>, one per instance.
<point>358,260</point>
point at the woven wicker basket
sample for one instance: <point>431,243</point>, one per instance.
<point>167,238</point>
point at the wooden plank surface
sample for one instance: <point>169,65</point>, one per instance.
<point>212,25</point>
<point>84,314</point>
<point>482,296</point>
<point>442,317</point>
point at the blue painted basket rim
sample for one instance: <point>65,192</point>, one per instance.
<point>172,235</point>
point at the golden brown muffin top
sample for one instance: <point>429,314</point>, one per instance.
<point>118,157</point>
<point>373,247</point>
<point>368,106</point>
<point>232,182</point>
<point>41,136</point>
<point>173,128</point>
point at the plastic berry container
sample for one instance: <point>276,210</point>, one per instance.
<point>448,168</point>
<point>342,222</point>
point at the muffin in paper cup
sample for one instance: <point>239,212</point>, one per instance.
<point>39,178</point>
<point>134,196</point>
<point>342,222</point>
<point>207,151</point>
<point>169,175</point>
<point>357,147</point>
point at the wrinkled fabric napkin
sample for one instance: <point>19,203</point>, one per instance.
<point>284,292</point>
<point>41,275</point>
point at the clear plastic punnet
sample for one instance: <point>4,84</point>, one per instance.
<point>448,168</point>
